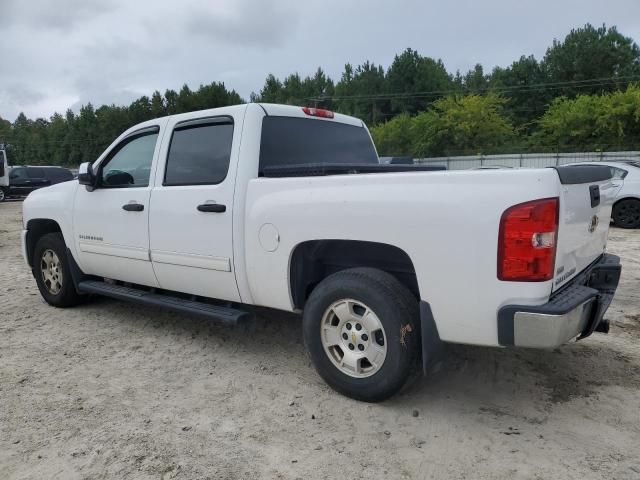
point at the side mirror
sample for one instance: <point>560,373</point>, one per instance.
<point>86,176</point>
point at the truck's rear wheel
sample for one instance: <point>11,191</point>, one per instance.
<point>52,273</point>
<point>3,194</point>
<point>626,213</point>
<point>359,327</point>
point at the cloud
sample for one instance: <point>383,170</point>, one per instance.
<point>246,24</point>
<point>59,15</point>
<point>63,53</point>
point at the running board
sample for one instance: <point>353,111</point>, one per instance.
<point>225,315</point>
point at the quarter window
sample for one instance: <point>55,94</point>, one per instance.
<point>199,153</point>
<point>618,173</point>
<point>130,164</point>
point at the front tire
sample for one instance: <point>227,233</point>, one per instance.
<point>52,273</point>
<point>626,213</point>
<point>3,194</point>
<point>359,327</point>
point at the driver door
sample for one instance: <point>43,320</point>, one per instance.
<point>111,223</point>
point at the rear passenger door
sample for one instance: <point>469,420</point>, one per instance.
<point>190,223</point>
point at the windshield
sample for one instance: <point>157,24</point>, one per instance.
<point>290,141</point>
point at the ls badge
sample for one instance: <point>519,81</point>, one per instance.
<point>593,224</point>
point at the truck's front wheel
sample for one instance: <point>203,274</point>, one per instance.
<point>3,194</point>
<point>52,273</point>
<point>359,327</point>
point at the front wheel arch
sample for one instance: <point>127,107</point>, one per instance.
<point>36,229</point>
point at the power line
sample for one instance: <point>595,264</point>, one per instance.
<point>592,82</point>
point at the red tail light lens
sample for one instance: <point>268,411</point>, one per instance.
<point>318,112</point>
<point>527,241</point>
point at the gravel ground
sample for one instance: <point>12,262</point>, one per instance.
<point>112,390</point>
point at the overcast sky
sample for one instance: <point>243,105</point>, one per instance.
<point>64,53</point>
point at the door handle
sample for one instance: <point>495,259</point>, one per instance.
<point>212,207</point>
<point>133,207</point>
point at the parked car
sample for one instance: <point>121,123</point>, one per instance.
<point>289,208</point>
<point>25,179</point>
<point>4,175</point>
<point>625,176</point>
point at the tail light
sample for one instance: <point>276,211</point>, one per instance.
<point>527,241</point>
<point>318,112</point>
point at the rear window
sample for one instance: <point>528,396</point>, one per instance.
<point>289,141</point>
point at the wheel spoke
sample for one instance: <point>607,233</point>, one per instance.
<point>375,354</point>
<point>371,321</point>
<point>331,335</point>
<point>351,361</point>
<point>343,311</point>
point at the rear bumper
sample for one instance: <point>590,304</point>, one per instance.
<point>574,311</point>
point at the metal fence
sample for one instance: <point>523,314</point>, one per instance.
<point>526,160</point>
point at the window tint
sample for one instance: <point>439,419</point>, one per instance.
<point>130,165</point>
<point>290,141</point>
<point>35,172</point>
<point>199,154</point>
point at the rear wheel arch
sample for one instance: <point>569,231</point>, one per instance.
<point>36,229</point>
<point>314,260</point>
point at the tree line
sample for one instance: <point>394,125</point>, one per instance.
<point>583,94</point>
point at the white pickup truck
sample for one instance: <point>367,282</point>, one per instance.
<point>289,208</point>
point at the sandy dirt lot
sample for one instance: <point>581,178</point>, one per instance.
<point>112,390</point>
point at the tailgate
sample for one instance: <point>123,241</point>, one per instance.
<point>586,196</point>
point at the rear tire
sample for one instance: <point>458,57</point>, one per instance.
<point>52,273</point>
<point>359,326</point>
<point>626,213</point>
<point>4,193</point>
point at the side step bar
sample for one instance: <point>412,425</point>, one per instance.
<point>224,315</point>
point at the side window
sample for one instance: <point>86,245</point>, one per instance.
<point>35,173</point>
<point>18,174</point>
<point>129,164</point>
<point>618,173</point>
<point>199,153</point>
<point>58,175</point>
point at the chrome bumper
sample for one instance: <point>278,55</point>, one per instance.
<point>575,311</point>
